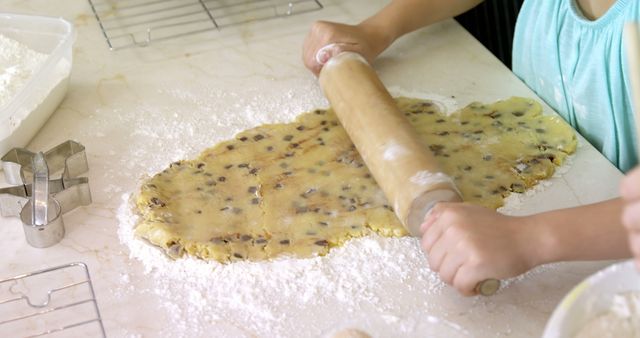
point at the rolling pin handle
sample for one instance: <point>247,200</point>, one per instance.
<point>487,287</point>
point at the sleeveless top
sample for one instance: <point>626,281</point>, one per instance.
<point>578,67</point>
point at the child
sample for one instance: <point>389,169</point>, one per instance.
<point>570,53</point>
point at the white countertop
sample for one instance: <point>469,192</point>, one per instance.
<point>137,110</point>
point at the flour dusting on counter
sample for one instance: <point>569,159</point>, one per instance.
<point>261,294</point>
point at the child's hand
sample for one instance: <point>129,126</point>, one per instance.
<point>630,190</point>
<point>341,37</point>
<point>467,244</point>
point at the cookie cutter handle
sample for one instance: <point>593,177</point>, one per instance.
<point>40,199</point>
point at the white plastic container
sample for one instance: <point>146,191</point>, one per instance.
<point>29,109</point>
<point>593,296</point>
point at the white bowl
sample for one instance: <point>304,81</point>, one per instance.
<point>592,297</point>
<point>29,109</point>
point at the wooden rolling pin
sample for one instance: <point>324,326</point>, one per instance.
<point>405,170</point>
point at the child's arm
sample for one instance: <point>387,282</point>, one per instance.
<point>375,34</point>
<point>467,244</point>
<point>630,190</point>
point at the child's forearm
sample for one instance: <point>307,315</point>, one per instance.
<point>403,16</point>
<point>591,232</point>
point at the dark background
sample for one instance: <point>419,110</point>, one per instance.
<point>492,23</point>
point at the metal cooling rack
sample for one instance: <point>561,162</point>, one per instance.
<point>58,301</point>
<point>129,23</point>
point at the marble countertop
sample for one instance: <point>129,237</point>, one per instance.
<point>137,110</point>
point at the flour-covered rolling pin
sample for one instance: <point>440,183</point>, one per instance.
<point>405,170</point>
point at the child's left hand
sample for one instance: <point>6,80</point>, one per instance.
<point>630,190</point>
<point>467,244</point>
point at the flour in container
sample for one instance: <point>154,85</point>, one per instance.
<point>18,64</point>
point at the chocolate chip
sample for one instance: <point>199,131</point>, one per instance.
<point>228,199</point>
<point>323,123</point>
<point>308,193</point>
<point>285,242</point>
<point>287,173</point>
<point>269,148</point>
<point>322,243</point>
<point>200,165</point>
<point>467,168</point>
<point>487,157</point>
<point>301,128</point>
<point>288,138</point>
<point>198,211</point>
<point>294,145</point>
<point>225,209</point>
<point>325,129</point>
<point>443,133</point>
<point>255,201</point>
<point>301,210</point>
<point>158,202</point>
<point>540,131</point>
<point>245,238</point>
<point>211,183</point>
<point>334,123</point>
<point>228,166</point>
<point>284,165</point>
<point>518,113</point>
<point>324,224</point>
<point>253,171</point>
<point>278,186</point>
<point>237,255</point>
<point>439,121</point>
<point>230,147</point>
<point>252,190</point>
<point>289,154</point>
<point>318,112</point>
<point>258,137</point>
<point>222,178</point>
<point>260,241</point>
<point>243,138</point>
<point>243,165</point>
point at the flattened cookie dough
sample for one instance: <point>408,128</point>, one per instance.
<point>301,188</point>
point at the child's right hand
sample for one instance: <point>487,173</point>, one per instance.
<point>630,191</point>
<point>359,38</point>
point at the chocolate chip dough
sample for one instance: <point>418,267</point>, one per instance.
<point>301,188</point>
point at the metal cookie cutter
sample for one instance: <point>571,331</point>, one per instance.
<point>41,203</point>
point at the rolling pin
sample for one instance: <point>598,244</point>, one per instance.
<point>405,170</point>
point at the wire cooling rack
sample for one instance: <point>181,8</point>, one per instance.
<point>130,23</point>
<point>57,301</point>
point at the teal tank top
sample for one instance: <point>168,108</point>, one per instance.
<point>578,67</point>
